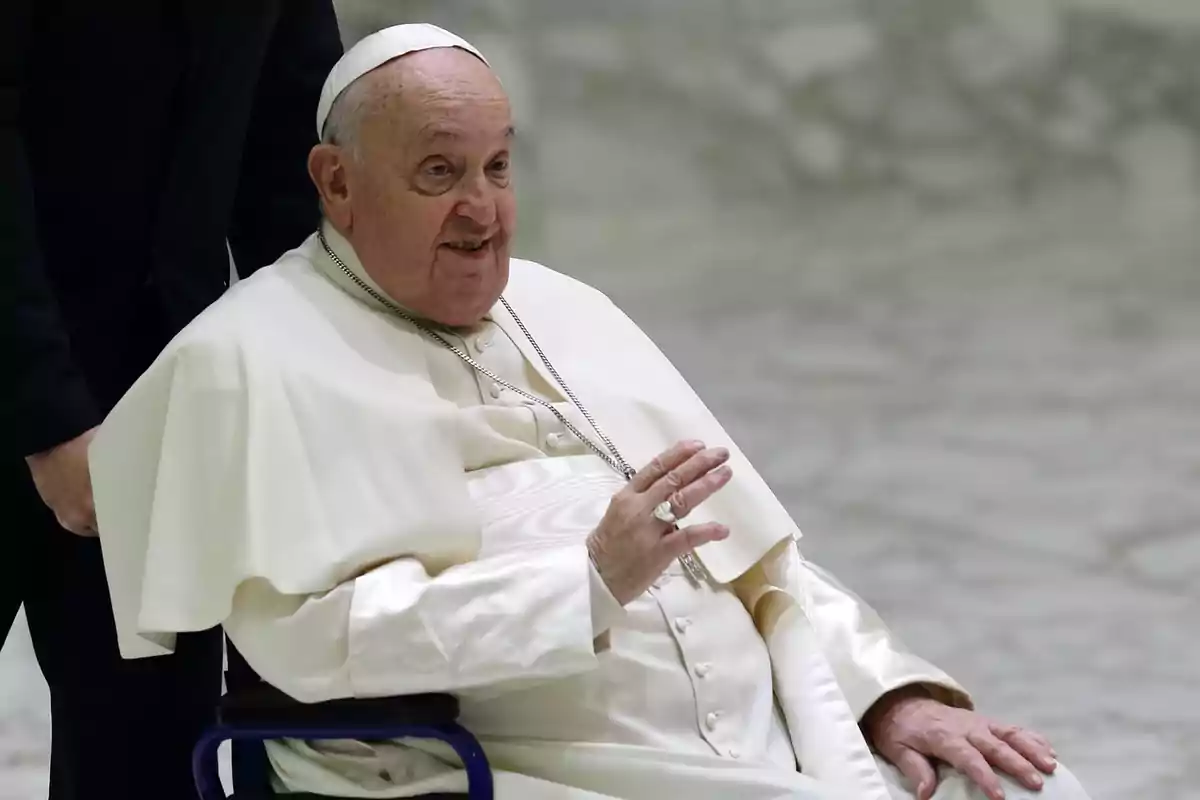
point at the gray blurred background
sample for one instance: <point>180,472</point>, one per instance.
<point>936,266</point>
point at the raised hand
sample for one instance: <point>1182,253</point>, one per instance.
<point>631,547</point>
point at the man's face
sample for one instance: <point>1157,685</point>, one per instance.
<point>431,205</point>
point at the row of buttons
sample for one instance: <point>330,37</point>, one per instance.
<point>701,670</point>
<point>704,667</point>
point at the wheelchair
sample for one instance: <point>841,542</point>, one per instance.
<point>252,712</point>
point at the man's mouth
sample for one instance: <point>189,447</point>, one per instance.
<point>467,246</point>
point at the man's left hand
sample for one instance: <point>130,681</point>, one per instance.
<point>911,729</point>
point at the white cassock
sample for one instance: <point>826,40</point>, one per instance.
<point>368,516</point>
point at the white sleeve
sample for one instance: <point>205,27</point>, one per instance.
<point>396,630</point>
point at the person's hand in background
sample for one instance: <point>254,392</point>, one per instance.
<point>62,479</point>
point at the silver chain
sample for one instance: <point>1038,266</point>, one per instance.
<point>613,458</point>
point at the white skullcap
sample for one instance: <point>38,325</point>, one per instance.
<point>378,49</point>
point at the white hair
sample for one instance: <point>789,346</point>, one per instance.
<point>344,123</point>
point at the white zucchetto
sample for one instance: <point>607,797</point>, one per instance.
<point>378,49</point>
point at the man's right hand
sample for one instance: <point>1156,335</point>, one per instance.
<point>62,479</point>
<point>631,547</point>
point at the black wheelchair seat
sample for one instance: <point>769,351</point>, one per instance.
<point>253,712</point>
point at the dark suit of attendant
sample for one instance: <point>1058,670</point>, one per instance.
<point>136,139</point>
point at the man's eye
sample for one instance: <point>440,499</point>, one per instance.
<point>500,165</point>
<point>438,170</point>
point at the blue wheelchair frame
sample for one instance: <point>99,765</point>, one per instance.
<point>253,712</point>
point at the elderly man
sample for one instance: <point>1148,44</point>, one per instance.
<point>398,461</point>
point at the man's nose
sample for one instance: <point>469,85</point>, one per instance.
<point>478,202</point>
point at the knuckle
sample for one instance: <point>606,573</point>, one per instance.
<point>1016,764</point>
<point>673,479</point>
<point>980,741</point>
<point>961,751</point>
<point>620,512</point>
<point>672,545</point>
<point>682,450</point>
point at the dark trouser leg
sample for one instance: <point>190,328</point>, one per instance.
<point>25,561</point>
<point>12,594</point>
<point>120,728</point>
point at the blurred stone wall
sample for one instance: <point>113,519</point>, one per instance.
<point>948,99</point>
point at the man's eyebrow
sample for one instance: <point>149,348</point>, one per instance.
<point>433,132</point>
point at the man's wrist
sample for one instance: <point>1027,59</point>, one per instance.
<point>606,610</point>
<point>596,558</point>
<point>888,701</point>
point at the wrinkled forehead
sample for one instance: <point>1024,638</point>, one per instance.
<point>435,97</point>
<point>444,74</point>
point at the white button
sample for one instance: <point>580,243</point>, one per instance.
<point>702,669</point>
<point>482,343</point>
<point>555,440</point>
<point>735,753</point>
<point>495,390</point>
<point>682,623</point>
<point>710,721</point>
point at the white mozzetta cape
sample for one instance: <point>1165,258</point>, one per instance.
<point>291,435</point>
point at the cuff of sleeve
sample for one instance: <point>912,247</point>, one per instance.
<point>606,611</point>
<point>60,416</point>
<point>947,693</point>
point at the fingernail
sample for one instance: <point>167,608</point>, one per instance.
<point>997,794</point>
<point>1036,780</point>
<point>722,452</point>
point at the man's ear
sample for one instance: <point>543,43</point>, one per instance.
<point>328,170</point>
